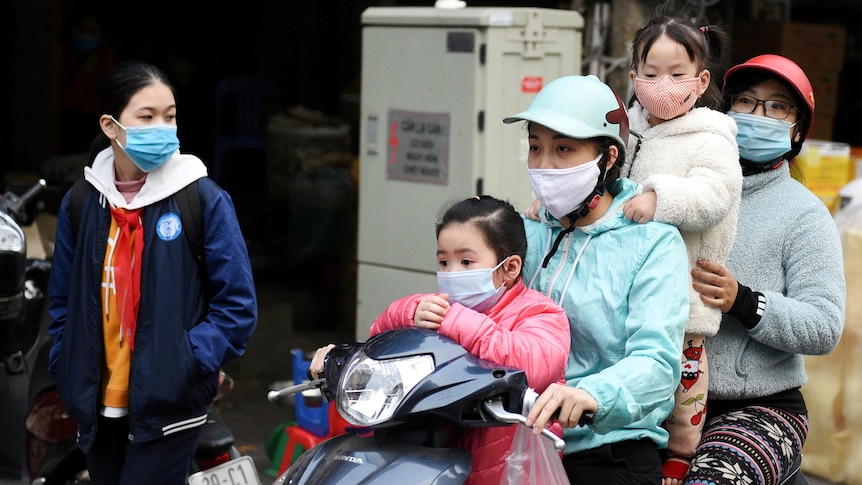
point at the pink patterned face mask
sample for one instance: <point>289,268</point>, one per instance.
<point>666,98</point>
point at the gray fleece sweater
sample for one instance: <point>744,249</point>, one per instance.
<point>788,248</point>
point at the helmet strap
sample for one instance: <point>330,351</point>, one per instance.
<point>592,200</point>
<point>557,241</point>
<point>583,209</point>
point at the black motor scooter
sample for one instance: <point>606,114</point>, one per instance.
<point>413,388</point>
<point>38,445</point>
<point>416,390</point>
<point>216,456</point>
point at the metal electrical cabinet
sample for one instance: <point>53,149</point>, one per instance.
<point>436,84</point>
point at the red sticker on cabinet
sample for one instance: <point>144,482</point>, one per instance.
<point>531,84</point>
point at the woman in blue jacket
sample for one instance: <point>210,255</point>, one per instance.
<point>624,286</point>
<point>140,327</point>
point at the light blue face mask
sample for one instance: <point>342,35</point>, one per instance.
<point>150,146</point>
<point>761,139</point>
<point>474,288</point>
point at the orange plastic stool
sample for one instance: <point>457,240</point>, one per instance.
<point>296,436</point>
<point>337,424</point>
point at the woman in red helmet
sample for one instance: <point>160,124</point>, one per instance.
<point>781,291</point>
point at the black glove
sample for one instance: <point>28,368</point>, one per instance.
<point>748,307</point>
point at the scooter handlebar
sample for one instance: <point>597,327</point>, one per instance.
<point>33,191</point>
<point>273,396</point>
<point>530,397</point>
<point>494,406</point>
<point>16,206</point>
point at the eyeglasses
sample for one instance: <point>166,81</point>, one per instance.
<point>743,103</point>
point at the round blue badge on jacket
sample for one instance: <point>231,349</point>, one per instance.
<point>169,227</point>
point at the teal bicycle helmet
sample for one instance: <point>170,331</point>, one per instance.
<point>579,107</point>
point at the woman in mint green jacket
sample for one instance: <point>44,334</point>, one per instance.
<point>624,286</point>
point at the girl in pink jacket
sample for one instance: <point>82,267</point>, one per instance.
<point>484,305</point>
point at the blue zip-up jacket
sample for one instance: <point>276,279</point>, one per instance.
<point>624,287</point>
<point>182,338</point>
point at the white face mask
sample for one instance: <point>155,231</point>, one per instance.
<point>562,190</point>
<point>474,288</point>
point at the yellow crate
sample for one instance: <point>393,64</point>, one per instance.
<point>825,167</point>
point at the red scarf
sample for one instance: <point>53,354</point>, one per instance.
<point>127,270</point>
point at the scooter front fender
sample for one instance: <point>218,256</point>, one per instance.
<point>370,460</point>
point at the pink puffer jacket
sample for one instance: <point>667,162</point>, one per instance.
<point>525,330</point>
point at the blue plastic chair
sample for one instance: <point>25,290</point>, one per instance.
<point>311,418</point>
<point>243,104</point>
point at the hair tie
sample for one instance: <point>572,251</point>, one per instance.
<point>704,28</point>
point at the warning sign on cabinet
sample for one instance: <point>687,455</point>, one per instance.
<point>418,147</point>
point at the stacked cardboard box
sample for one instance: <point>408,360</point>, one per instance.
<point>817,48</point>
<point>771,10</point>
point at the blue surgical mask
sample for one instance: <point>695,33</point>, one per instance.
<point>150,146</point>
<point>761,139</point>
<point>474,288</point>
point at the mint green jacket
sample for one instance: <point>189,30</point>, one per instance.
<point>625,289</point>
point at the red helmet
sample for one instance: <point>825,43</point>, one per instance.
<point>785,69</point>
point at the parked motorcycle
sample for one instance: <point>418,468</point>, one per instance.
<point>38,444</point>
<point>217,460</point>
<point>416,390</point>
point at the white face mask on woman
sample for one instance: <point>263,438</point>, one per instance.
<point>562,190</point>
<point>474,288</point>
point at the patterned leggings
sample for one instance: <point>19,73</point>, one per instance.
<point>750,446</point>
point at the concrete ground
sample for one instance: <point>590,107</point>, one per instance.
<point>291,315</point>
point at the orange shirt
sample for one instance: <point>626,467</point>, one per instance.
<point>118,355</point>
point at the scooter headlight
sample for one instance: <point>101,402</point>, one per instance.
<point>11,236</point>
<point>370,390</point>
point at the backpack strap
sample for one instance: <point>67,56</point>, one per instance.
<point>189,202</point>
<point>77,197</point>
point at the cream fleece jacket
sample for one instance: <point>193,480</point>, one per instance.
<point>692,165</point>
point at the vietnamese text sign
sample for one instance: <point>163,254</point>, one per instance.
<point>418,146</point>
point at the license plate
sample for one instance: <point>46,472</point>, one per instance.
<point>239,471</point>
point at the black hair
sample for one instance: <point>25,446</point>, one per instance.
<point>118,88</point>
<point>706,45</point>
<point>499,222</point>
<point>604,143</point>
<point>744,79</point>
